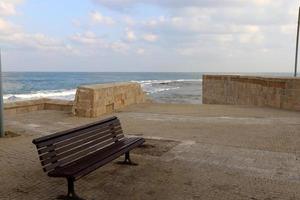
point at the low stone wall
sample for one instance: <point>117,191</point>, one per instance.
<point>35,105</point>
<point>96,100</point>
<point>252,90</point>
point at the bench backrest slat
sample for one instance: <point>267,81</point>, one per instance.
<point>73,133</point>
<point>64,147</point>
<point>98,137</point>
<point>75,150</point>
<point>75,142</point>
<point>75,154</point>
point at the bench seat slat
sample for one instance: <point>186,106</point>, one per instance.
<point>75,157</point>
<point>86,164</point>
<point>91,168</point>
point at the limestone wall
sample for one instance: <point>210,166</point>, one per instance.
<point>35,105</point>
<point>252,90</point>
<point>96,100</point>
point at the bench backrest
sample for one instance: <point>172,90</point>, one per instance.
<point>67,146</point>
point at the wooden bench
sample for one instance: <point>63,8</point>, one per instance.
<point>76,152</point>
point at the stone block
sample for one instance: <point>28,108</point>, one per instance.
<point>97,100</point>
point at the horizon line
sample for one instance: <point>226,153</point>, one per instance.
<point>146,72</point>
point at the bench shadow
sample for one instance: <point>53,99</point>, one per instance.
<point>155,147</point>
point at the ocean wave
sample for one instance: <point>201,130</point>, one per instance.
<point>155,90</point>
<point>55,94</point>
<point>158,86</point>
<point>146,82</point>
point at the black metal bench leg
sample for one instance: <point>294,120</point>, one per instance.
<point>71,192</point>
<point>127,160</point>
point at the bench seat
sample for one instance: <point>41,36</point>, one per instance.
<point>97,159</point>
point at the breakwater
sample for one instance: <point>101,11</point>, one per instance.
<point>276,92</point>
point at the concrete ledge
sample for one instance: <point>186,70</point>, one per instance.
<point>277,92</point>
<point>35,105</point>
<point>96,100</point>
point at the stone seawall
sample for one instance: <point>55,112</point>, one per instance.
<point>19,107</point>
<point>96,100</point>
<point>252,90</point>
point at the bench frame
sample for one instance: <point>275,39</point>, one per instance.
<point>50,146</point>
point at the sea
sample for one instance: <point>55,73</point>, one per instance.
<point>160,87</point>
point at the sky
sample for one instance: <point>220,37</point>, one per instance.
<point>148,35</point>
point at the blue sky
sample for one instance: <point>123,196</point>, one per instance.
<point>148,35</point>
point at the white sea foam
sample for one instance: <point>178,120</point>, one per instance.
<point>167,81</point>
<point>55,94</point>
<point>156,86</point>
<point>155,90</point>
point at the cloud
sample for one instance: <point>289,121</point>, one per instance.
<point>37,41</point>
<point>7,8</point>
<point>7,27</point>
<point>14,35</point>
<point>262,2</point>
<point>121,4</point>
<point>140,51</point>
<point>130,36</point>
<point>251,38</point>
<point>119,46</point>
<point>90,41</point>
<point>252,28</point>
<point>44,42</point>
<point>87,38</point>
<point>208,32</point>
<point>212,33</point>
<point>129,21</point>
<point>288,28</point>
<point>150,37</point>
<point>97,18</point>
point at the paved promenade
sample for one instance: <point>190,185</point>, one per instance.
<point>192,152</point>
